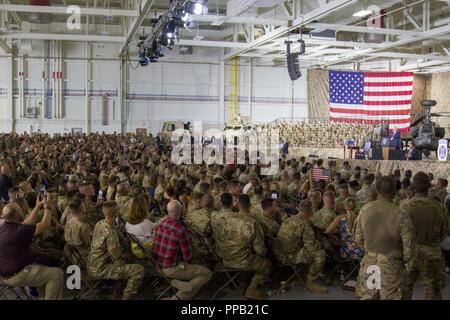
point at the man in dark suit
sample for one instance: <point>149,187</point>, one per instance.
<point>160,142</point>
<point>396,139</point>
<point>413,153</point>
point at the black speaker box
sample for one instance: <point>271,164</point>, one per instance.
<point>396,155</point>
<point>377,154</point>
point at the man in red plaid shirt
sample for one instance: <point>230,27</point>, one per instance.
<point>173,252</point>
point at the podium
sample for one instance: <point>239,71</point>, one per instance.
<point>350,145</point>
<point>386,147</point>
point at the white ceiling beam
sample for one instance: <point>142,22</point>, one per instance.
<point>5,47</point>
<point>63,10</point>
<point>393,44</point>
<point>412,19</point>
<point>213,44</point>
<point>60,36</point>
<point>134,14</point>
<point>359,29</point>
<point>98,38</point>
<point>402,55</point>
<point>241,20</point>
<point>418,65</point>
<point>316,41</point>
<point>144,10</point>
<point>307,18</point>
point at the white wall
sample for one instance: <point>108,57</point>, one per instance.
<point>168,90</point>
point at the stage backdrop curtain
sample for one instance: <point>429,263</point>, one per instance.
<point>318,94</point>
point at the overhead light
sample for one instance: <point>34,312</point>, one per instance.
<point>185,17</point>
<point>198,8</point>
<point>362,13</point>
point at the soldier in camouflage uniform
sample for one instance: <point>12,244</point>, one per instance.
<point>223,188</point>
<point>344,193</point>
<point>217,217</point>
<point>316,200</point>
<point>235,189</point>
<point>199,221</point>
<point>386,233</point>
<point>431,227</point>
<point>321,219</point>
<point>240,243</point>
<point>363,194</point>
<point>266,217</point>
<point>106,259</point>
<point>284,184</point>
<point>296,244</point>
<point>122,198</point>
<point>293,189</point>
<point>77,232</point>
<point>440,191</point>
<point>195,204</point>
<point>160,189</point>
<point>112,184</point>
<point>257,198</point>
<point>202,180</point>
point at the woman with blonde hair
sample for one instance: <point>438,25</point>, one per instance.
<point>139,225</point>
<point>346,224</point>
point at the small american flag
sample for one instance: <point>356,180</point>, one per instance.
<point>371,97</point>
<point>318,174</point>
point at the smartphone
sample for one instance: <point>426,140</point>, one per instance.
<point>100,194</point>
<point>41,192</point>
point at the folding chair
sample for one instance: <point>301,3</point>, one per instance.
<point>160,277</point>
<point>6,291</point>
<point>354,265</point>
<point>89,284</point>
<point>230,273</point>
<point>294,268</point>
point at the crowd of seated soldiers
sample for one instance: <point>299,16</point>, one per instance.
<point>324,134</point>
<point>136,176</point>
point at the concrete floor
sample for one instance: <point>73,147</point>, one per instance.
<point>300,293</point>
<point>294,292</point>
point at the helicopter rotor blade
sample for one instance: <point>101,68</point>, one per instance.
<point>417,121</point>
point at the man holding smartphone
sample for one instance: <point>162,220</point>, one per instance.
<point>16,260</point>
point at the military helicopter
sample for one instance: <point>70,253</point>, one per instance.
<point>425,133</point>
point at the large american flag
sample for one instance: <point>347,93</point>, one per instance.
<point>371,97</point>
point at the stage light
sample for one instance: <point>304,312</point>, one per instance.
<point>143,61</point>
<point>198,8</point>
<point>169,29</point>
<point>185,16</point>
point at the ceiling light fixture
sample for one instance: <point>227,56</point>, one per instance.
<point>362,13</point>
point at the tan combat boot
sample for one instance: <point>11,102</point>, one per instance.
<point>254,293</point>
<point>182,285</point>
<point>314,287</point>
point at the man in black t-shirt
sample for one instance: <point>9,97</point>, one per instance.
<point>16,261</point>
